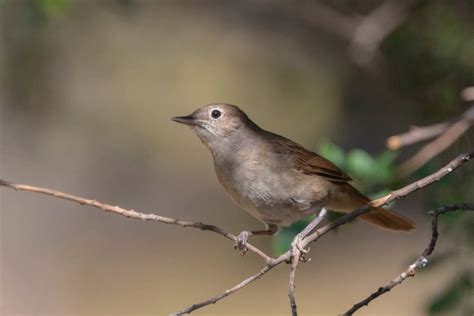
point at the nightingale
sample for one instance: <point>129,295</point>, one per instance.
<point>273,178</point>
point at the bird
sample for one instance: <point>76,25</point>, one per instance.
<point>273,178</point>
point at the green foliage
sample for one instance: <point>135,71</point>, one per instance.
<point>372,171</point>
<point>53,7</point>
<point>451,297</point>
<point>332,152</point>
<point>369,170</point>
<point>360,164</point>
<point>436,38</point>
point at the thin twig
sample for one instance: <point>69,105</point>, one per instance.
<point>394,195</point>
<point>445,134</point>
<point>432,149</point>
<point>455,163</point>
<point>420,262</point>
<point>434,177</point>
<point>415,135</point>
<point>298,255</point>
<point>228,292</point>
<point>291,293</point>
<point>131,213</point>
<point>270,262</point>
<point>467,94</point>
<point>421,133</point>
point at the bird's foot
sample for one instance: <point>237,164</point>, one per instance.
<point>241,243</point>
<point>297,249</point>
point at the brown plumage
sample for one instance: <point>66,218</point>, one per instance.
<point>273,178</point>
<point>309,162</point>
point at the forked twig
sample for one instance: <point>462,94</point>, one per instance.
<point>445,135</point>
<point>420,262</point>
<point>270,262</point>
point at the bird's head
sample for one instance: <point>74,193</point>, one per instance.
<point>218,124</point>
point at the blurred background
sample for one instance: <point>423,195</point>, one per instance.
<point>88,90</point>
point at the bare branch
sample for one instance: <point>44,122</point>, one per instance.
<point>131,213</point>
<point>446,134</point>
<point>420,262</point>
<point>446,139</point>
<point>416,134</point>
<point>436,176</point>
<point>270,262</point>
<point>467,94</point>
<point>291,293</point>
<point>298,254</point>
<point>394,195</point>
<point>228,292</point>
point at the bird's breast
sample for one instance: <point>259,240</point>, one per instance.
<point>273,193</point>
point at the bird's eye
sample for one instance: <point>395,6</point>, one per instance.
<point>216,114</point>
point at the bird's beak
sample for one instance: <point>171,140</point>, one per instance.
<point>187,120</point>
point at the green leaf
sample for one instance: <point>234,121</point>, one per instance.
<point>385,166</point>
<point>361,165</point>
<point>333,152</point>
<point>53,7</point>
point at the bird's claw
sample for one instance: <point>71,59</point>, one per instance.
<point>241,243</point>
<point>296,247</point>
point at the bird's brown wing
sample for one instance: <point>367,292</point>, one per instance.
<point>309,162</point>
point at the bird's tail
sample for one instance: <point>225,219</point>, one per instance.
<point>350,198</point>
<point>388,219</point>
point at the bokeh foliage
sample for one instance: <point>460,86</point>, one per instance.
<point>374,175</point>
<point>430,59</point>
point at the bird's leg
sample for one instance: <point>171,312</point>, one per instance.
<point>297,241</point>
<point>242,238</point>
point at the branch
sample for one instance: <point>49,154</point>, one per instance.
<point>291,292</point>
<point>394,195</point>
<point>467,94</point>
<point>420,262</point>
<point>131,213</point>
<point>434,177</point>
<point>270,262</point>
<point>397,194</point>
<point>270,265</point>
<point>438,145</point>
<point>228,292</point>
<point>298,254</point>
<point>446,134</point>
<point>416,134</point>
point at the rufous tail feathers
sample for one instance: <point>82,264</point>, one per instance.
<point>350,198</point>
<point>386,218</point>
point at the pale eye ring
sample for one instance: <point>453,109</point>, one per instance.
<point>215,114</point>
